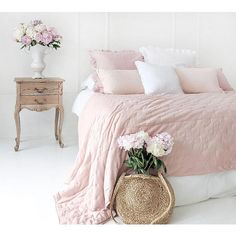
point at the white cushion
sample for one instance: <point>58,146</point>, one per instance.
<point>168,56</point>
<point>88,83</point>
<point>158,79</point>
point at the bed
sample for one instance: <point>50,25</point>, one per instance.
<point>195,178</point>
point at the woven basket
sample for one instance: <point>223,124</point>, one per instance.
<point>143,199</point>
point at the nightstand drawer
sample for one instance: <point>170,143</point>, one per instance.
<point>48,88</point>
<point>39,100</point>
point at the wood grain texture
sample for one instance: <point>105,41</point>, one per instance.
<point>40,95</point>
<point>36,88</point>
<point>39,100</point>
<point>47,79</point>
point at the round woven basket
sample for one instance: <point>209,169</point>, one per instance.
<point>143,199</point>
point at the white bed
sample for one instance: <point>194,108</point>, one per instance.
<point>213,211</point>
<point>199,199</point>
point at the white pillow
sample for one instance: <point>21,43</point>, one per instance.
<point>168,56</point>
<point>88,83</point>
<point>158,79</point>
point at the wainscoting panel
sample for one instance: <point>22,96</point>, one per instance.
<point>133,30</point>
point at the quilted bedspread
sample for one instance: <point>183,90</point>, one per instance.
<point>204,131</point>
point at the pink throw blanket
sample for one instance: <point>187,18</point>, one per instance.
<point>204,131</point>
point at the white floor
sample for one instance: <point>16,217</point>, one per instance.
<point>30,177</point>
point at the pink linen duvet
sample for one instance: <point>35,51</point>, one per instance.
<point>204,131</point>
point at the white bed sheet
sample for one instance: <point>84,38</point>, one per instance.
<point>198,188</point>
<point>81,101</point>
<point>188,189</point>
<point>213,211</point>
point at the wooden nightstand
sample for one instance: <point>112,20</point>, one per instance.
<point>39,95</point>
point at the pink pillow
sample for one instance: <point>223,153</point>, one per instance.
<point>199,80</point>
<point>223,82</point>
<point>113,60</point>
<point>121,81</point>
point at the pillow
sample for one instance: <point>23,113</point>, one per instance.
<point>115,60</point>
<point>158,79</point>
<point>88,83</point>
<point>199,80</point>
<point>120,81</point>
<point>98,87</point>
<point>168,56</point>
<point>112,60</point>
<point>223,82</point>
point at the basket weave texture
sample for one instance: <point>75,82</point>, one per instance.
<point>143,199</point>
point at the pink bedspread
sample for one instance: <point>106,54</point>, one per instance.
<point>204,131</point>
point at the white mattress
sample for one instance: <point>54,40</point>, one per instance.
<point>213,211</point>
<point>197,188</point>
<point>191,189</point>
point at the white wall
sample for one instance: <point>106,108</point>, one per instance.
<point>212,35</point>
<point>15,62</point>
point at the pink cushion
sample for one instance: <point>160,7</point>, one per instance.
<point>199,80</point>
<point>113,60</point>
<point>121,81</point>
<point>223,82</point>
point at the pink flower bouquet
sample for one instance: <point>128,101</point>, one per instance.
<point>144,151</point>
<point>37,33</point>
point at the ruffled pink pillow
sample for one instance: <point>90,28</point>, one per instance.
<point>113,60</point>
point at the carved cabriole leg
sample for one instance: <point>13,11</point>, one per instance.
<point>61,119</point>
<point>17,120</point>
<point>56,122</point>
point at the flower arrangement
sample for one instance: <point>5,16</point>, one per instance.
<point>144,151</point>
<point>35,33</point>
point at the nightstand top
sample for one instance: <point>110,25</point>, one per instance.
<point>46,79</point>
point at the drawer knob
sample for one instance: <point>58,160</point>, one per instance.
<point>40,90</point>
<point>40,103</point>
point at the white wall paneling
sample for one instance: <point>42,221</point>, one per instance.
<point>212,35</point>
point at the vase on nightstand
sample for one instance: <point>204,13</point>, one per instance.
<point>38,53</point>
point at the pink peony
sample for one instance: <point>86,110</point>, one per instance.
<point>47,37</point>
<point>38,33</point>
<point>26,40</point>
<point>163,140</point>
<point>39,37</point>
<point>53,31</point>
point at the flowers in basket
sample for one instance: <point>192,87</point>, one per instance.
<point>37,33</point>
<point>144,151</point>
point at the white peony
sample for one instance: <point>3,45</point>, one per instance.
<point>135,141</point>
<point>40,28</point>
<point>19,32</point>
<point>156,149</point>
<point>143,135</point>
<point>30,32</point>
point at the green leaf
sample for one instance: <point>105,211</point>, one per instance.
<point>23,46</point>
<point>155,161</point>
<point>33,43</point>
<point>142,171</point>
